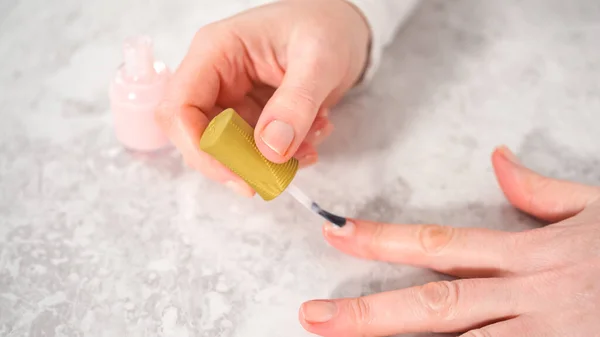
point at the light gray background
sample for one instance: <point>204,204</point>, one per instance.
<point>96,241</point>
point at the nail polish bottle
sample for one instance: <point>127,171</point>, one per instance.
<point>135,92</point>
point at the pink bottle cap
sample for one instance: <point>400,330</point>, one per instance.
<point>138,55</point>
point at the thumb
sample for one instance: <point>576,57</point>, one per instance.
<point>545,198</point>
<point>291,111</point>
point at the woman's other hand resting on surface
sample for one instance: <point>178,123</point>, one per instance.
<point>542,282</point>
<point>281,66</point>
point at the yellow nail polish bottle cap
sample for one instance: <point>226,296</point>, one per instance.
<point>230,140</point>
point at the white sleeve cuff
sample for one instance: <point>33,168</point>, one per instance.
<point>384,18</point>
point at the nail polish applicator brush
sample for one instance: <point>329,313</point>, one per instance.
<point>230,140</point>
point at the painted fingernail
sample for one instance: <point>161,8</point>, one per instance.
<point>324,129</point>
<point>308,160</point>
<point>508,154</point>
<point>240,189</point>
<point>278,136</point>
<point>322,134</point>
<point>318,311</point>
<point>344,231</point>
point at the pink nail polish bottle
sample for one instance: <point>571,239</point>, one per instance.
<point>135,92</point>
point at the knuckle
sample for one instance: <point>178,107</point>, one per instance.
<point>303,96</point>
<point>434,238</point>
<point>440,299</point>
<point>320,60</point>
<point>314,42</point>
<point>478,333</point>
<point>213,37</point>
<point>359,311</point>
<point>298,100</point>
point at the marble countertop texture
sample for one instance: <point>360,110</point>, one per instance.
<point>96,241</point>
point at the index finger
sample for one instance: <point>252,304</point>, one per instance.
<point>190,99</point>
<point>435,307</point>
<point>452,250</point>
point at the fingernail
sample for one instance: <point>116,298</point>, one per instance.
<point>508,154</point>
<point>308,160</point>
<point>344,231</point>
<point>322,128</point>
<point>318,311</point>
<point>278,136</point>
<point>327,131</point>
<point>320,135</point>
<point>240,189</point>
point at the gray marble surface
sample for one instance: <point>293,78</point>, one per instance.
<point>96,241</point>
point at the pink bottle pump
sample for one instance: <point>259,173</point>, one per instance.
<point>135,92</point>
